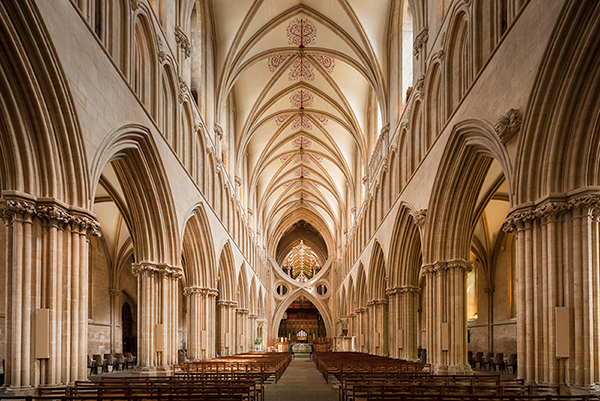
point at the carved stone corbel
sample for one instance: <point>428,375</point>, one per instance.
<point>508,125</point>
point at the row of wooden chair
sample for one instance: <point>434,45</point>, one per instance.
<point>491,360</point>
<point>119,361</point>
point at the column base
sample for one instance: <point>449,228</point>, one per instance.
<point>580,390</point>
<point>20,391</point>
<point>153,371</point>
<point>452,369</point>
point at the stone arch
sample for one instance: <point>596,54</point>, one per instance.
<point>135,158</point>
<point>226,273</point>
<point>405,260</point>
<point>144,61</point>
<point>565,128</point>
<point>458,66</point>
<point>41,146</point>
<point>197,250</point>
<point>469,154</point>
<point>287,301</point>
<point>378,303</point>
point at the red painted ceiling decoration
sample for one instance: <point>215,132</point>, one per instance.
<point>327,62</point>
<point>301,142</point>
<point>301,68</point>
<point>301,99</point>
<point>317,157</point>
<point>301,158</point>
<point>276,61</point>
<point>322,119</point>
<point>302,172</point>
<point>302,121</point>
<point>279,120</point>
<point>301,32</point>
<point>302,195</point>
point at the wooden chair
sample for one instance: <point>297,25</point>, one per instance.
<point>512,362</point>
<point>129,361</point>
<point>120,361</point>
<point>498,362</point>
<point>91,364</point>
<point>100,363</point>
<point>477,359</point>
<point>487,362</point>
<point>110,361</point>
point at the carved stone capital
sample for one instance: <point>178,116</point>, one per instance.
<point>427,269</point>
<point>460,264</point>
<point>410,289</point>
<point>420,42</point>
<point>420,87</point>
<point>419,216</point>
<point>238,180</point>
<point>183,42</point>
<point>183,90</point>
<point>12,208</point>
<point>489,289</point>
<point>114,292</point>
<point>508,125</point>
<point>192,290</point>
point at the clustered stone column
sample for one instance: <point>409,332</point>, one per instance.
<point>377,325</point>
<point>242,329</point>
<point>115,338</point>
<point>47,275</point>
<point>403,305</point>
<point>446,301</point>
<point>226,344</point>
<point>361,341</point>
<point>200,321</point>
<point>253,328</point>
<point>157,315</point>
<point>558,266</point>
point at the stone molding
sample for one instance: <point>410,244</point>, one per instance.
<point>548,207</point>
<point>114,292</point>
<point>508,125</point>
<point>419,217</point>
<point>52,213</point>
<point>218,131</point>
<point>489,289</point>
<point>183,42</point>
<point>375,302</point>
<point>420,42</point>
<point>228,304</point>
<point>145,269</point>
<point>442,266</point>
<point>359,310</point>
<point>242,311</point>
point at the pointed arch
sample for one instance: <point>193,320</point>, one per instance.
<point>377,273</point>
<point>197,253</point>
<point>226,282</point>
<point>287,301</point>
<point>133,154</point>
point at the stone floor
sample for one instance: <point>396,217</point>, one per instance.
<point>301,382</point>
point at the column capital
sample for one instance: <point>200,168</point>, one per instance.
<point>145,268</point>
<point>460,264</point>
<point>114,292</point>
<point>427,268</point>
<point>489,289</point>
<point>192,290</point>
<point>11,208</point>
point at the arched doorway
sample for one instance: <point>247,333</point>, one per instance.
<point>302,322</point>
<point>129,332</point>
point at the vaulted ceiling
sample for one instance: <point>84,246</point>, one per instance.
<point>302,85</point>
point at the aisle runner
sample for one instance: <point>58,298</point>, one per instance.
<point>301,382</point>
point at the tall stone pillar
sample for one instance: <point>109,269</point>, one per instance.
<point>194,321</point>
<point>377,326</point>
<point>446,297</point>
<point>47,276</point>
<point>115,314</point>
<point>157,316</point>
<point>253,335</point>
<point>208,323</point>
<point>227,327</point>
<point>361,336</point>
<point>558,290</point>
<point>409,303</point>
<point>396,335</point>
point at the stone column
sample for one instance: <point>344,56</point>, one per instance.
<point>558,253</point>
<point>396,335</point>
<point>115,314</point>
<point>157,316</point>
<point>194,321</point>
<point>446,298</point>
<point>489,290</point>
<point>253,334</point>
<point>208,323</point>
<point>46,272</point>
<point>409,304</point>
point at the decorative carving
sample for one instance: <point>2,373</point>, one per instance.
<point>508,125</point>
<point>183,90</point>
<point>218,131</point>
<point>238,180</point>
<point>53,214</point>
<point>420,42</point>
<point>420,87</point>
<point>183,42</point>
<point>114,292</point>
<point>460,264</point>
<point>161,50</point>
<point>145,269</point>
<point>135,4</point>
<point>10,208</point>
<point>419,217</point>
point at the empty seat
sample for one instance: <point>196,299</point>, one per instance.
<point>488,361</point>
<point>477,359</point>
<point>100,363</point>
<point>512,362</point>
<point>499,362</point>
<point>120,361</point>
<point>110,361</point>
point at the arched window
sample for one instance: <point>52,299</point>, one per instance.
<point>407,49</point>
<point>472,291</point>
